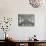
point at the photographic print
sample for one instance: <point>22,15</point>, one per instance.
<point>35,3</point>
<point>26,20</point>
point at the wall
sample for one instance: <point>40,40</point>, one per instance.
<point>11,8</point>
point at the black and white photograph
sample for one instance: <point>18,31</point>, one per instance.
<point>36,3</point>
<point>26,19</point>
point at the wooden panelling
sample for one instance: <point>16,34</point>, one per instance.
<point>44,44</point>
<point>17,44</point>
<point>25,44</point>
<point>41,44</point>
